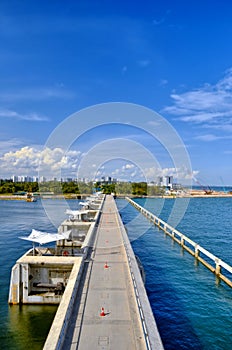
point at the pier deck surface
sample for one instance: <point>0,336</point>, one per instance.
<point>109,288</point>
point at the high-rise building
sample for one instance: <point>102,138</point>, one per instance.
<point>42,179</point>
<point>169,181</point>
<point>15,178</point>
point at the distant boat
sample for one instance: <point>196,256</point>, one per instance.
<point>30,197</point>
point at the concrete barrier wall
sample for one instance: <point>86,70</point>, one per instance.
<point>59,326</point>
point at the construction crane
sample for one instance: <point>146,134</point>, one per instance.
<point>206,188</point>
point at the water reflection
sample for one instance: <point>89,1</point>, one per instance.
<point>29,325</point>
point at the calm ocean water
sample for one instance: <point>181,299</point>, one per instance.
<point>22,327</point>
<point>191,309</point>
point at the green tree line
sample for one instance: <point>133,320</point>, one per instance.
<point>73,187</point>
<point>10,187</point>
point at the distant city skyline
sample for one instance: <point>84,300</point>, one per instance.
<point>166,181</point>
<point>174,58</point>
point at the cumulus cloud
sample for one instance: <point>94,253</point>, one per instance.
<point>128,166</point>
<point>31,161</point>
<point>209,105</point>
<point>56,162</point>
<point>131,172</point>
<point>180,174</point>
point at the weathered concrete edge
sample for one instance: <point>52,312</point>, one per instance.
<point>59,326</point>
<point>89,239</point>
<point>58,329</point>
<point>147,314</point>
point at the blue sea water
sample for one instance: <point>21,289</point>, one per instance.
<point>192,310</point>
<point>22,327</point>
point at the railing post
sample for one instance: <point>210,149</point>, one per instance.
<point>218,267</point>
<point>182,241</point>
<point>196,251</point>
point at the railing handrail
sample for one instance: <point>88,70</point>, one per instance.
<point>197,248</point>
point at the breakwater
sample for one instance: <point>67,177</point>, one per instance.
<point>222,270</point>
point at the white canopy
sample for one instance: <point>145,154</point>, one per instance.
<point>87,204</point>
<point>45,237</point>
<point>90,199</point>
<point>76,212</point>
<point>98,193</point>
<point>84,203</point>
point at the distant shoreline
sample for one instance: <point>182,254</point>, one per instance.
<point>24,198</point>
<point>191,194</point>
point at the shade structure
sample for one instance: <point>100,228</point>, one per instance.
<point>45,237</point>
<point>76,212</point>
<point>85,204</point>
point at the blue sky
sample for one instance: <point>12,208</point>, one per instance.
<point>174,57</point>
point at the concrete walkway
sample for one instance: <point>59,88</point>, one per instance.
<point>107,289</point>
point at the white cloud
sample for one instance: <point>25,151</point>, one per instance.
<point>209,105</point>
<point>34,117</point>
<point>163,82</point>
<point>35,160</point>
<point>31,161</point>
<point>36,94</point>
<point>148,174</point>
<point>128,166</point>
<point>180,174</point>
<point>208,137</point>
<point>9,144</point>
<point>144,63</point>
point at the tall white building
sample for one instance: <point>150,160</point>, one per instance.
<point>42,179</point>
<point>15,178</point>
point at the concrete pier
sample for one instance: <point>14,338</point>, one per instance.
<point>107,306</point>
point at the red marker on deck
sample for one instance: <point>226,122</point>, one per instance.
<point>102,313</point>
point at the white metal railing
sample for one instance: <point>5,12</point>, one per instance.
<point>193,248</point>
